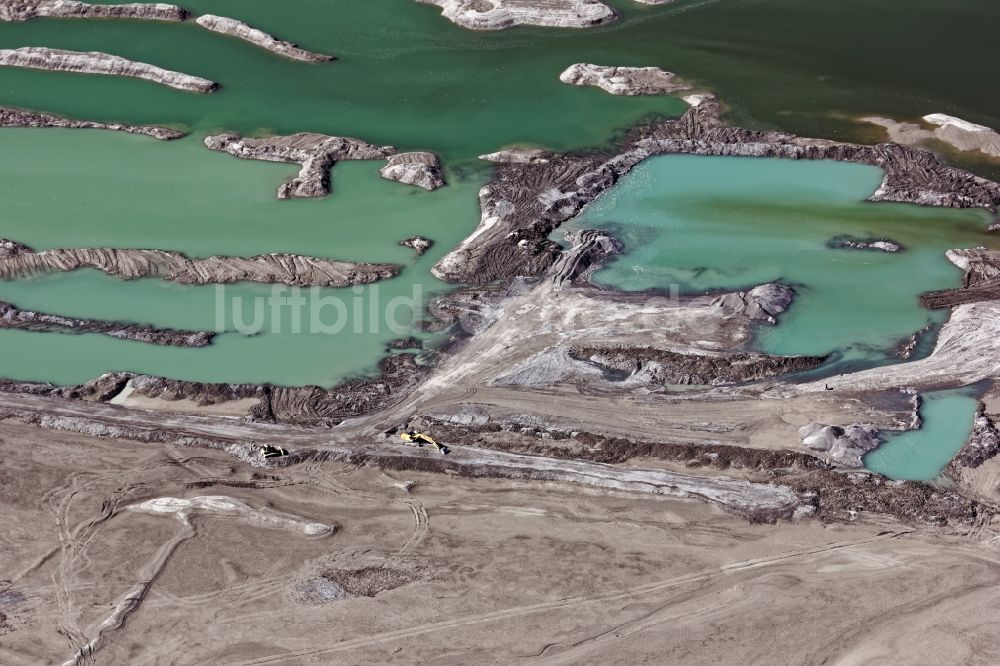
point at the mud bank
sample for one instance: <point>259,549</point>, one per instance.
<point>980,281</point>
<point>533,192</point>
<point>25,10</point>
<point>420,169</point>
<point>13,317</point>
<point>17,260</point>
<point>666,367</point>
<point>11,117</point>
<point>418,244</point>
<point>624,80</point>
<point>316,153</point>
<point>240,30</point>
<point>870,244</point>
<point>95,62</point>
<point>967,351</point>
<point>983,443</point>
<point>312,406</point>
<point>957,133</point>
<point>501,14</point>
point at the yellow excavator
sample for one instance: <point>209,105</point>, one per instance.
<point>420,439</point>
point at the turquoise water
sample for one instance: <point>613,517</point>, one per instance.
<point>180,196</point>
<point>920,455</point>
<point>724,223</point>
<point>406,75</point>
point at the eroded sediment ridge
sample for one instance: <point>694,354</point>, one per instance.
<point>12,317</point>
<point>95,62</point>
<point>958,133</point>
<point>624,80</point>
<point>18,260</point>
<point>316,153</point>
<point>240,30</point>
<point>980,280</point>
<point>11,117</point>
<point>533,192</point>
<point>25,10</point>
<point>421,169</point>
<point>501,14</point>
<point>668,367</point>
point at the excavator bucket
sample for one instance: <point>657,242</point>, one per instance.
<point>420,439</point>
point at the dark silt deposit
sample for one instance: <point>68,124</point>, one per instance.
<point>870,244</point>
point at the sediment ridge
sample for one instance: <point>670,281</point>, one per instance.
<point>240,30</point>
<point>12,317</point>
<point>980,280</point>
<point>668,367</point>
<point>846,242</point>
<point>25,10</point>
<point>316,153</point>
<point>18,260</point>
<point>832,494</point>
<point>95,62</point>
<point>957,133</point>
<point>421,169</point>
<point>624,80</point>
<point>501,14</point>
<point>312,406</point>
<point>11,117</point>
<point>534,192</point>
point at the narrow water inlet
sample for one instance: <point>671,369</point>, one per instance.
<point>921,455</point>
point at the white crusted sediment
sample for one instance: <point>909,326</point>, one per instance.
<point>316,153</point>
<point>501,14</point>
<point>420,169</point>
<point>18,260</point>
<point>95,62</point>
<point>25,10</point>
<point>959,134</point>
<point>247,33</point>
<point>624,80</point>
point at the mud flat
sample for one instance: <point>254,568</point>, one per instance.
<point>957,133</point>
<point>17,260</point>
<point>624,80</point>
<point>501,14</point>
<point>631,553</point>
<point>13,317</point>
<point>240,30</point>
<point>533,192</point>
<point>316,153</point>
<point>95,62</point>
<point>25,10</point>
<point>761,501</point>
<point>11,117</point>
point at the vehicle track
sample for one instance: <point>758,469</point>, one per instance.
<point>562,604</point>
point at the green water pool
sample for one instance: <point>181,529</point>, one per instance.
<point>406,75</point>
<point>723,223</point>
<point>181,196</point>
<point>920,455</point>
